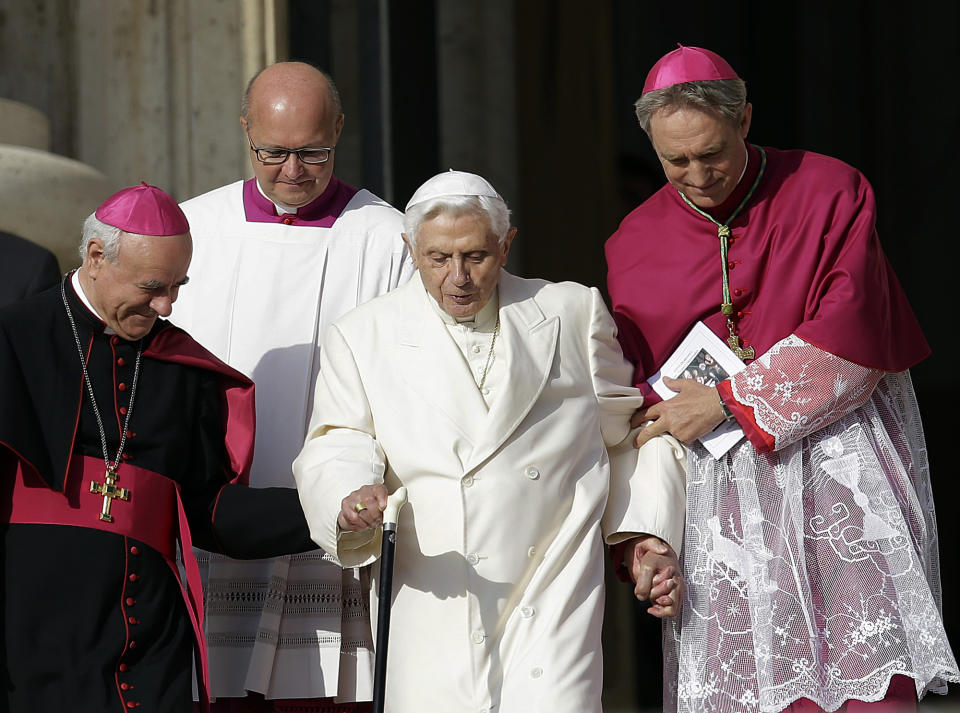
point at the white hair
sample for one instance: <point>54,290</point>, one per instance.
<point>93,227</point>
<point>494,209</point>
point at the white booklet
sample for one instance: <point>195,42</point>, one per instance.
<point>704,357</point>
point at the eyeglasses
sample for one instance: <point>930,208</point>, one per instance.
<point>276,156</point>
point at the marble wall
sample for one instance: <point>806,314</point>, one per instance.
<point>141,89</point>
<point>44,197</point>
<point>107,93</point>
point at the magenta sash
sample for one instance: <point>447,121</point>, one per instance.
<point>154,515</point>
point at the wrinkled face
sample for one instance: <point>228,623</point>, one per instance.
<point>459,260</point>
<point>142,285</point>
<point>702,155</point>
<point>279,125</point>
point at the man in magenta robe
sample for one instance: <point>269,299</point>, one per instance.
<point>810,549</point>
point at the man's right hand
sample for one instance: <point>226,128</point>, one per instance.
<point>692,413</point>
<point>371,501</point>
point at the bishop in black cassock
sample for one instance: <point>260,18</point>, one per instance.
<point>96,613</point>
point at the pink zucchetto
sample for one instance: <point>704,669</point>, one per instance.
<point>143,210</point>
<point>687,64</point>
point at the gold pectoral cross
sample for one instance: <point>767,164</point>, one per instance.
<point>109,491</point>
<point>733,341</point>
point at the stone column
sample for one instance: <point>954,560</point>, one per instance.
<point>143,90</point>
<point>136,90</point>
<point>159,88</point>
<point>477,87</point>
<point>43,197</point>
<point>476,77</point>
<point>566,136</point>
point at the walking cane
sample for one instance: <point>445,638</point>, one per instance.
<point>390,515</point>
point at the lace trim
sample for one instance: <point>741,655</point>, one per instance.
<point>796,389</point>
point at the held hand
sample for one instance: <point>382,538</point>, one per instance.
<point>363,508</point>
<point>655,570</point>
<point>693,412</point>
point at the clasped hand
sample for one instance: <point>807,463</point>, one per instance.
<point>654,569</point>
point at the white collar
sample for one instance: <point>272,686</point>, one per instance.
<point>745,163</point>
<point>78,288</point>
<point>281,208</point>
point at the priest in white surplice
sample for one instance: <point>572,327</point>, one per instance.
<point>276,259</point>
<point>494,400</point>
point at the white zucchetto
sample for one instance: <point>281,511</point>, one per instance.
<point>453,183</point>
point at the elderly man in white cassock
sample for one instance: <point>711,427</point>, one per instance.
<point>503,405</point>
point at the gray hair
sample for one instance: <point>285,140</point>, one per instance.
<point>334,92</point>
<point>93,227</point>
<point>493,209</point>
<point>724,98</point>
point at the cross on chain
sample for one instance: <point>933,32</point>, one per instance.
<point>109,491</point>
<point>733,341</point>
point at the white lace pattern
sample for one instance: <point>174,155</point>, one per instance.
<point>804,389</point>
<point>812,571</point>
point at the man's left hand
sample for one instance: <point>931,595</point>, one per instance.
<point>693,412</point>
<point>655,571</point>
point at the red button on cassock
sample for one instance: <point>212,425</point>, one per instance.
<point>114,340</point>
<point>123,667</point>
<point>124,686</point>
<point>121,386</point>
<point>287,220</point>
<point>121,361</point>
<point>123,410</point>
<point>133,620</point>
<point>133,577</point>
<point>132,704</point>
<point>131,601</point>
<point>132,644</point>
<point>134,550</point>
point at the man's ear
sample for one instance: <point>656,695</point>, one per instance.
<point>507,242</point>
<point>95,257</point>
<point>413,253</point>
<point>744,127</point>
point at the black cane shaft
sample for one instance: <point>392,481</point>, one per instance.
<point>385,593</point>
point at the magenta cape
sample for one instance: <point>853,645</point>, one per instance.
<point>804,258</point>
<point>239,403</point>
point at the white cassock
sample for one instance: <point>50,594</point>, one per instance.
<point>498,581</point>
<point>261,296</point>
